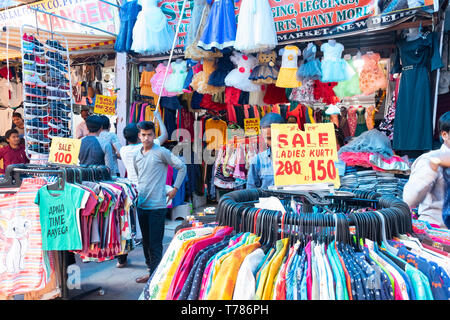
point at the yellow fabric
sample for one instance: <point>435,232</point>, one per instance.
<point>146,87</point>
<point>274,267</point>
<point>287,78</point>
<point>173,268</point>
<point>223,286</point>
<point>212,129</point>
<point>265,272</point>
<point>311,115</point>
<point>149,116</point>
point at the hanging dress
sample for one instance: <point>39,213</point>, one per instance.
<point>194,24</point>
<point>413,126</point>
<point>239,76</point>
<point>334,68</point>
<point>348,88</point>
<point>372,77</point>
<point>128,14</point>
<point>175,81</point>
<point>352,119</point>
<point>200,80</point>
<point>361,125</point>
<point>265,72</point>
<point>311,68</point>
<point>220,29</point>
<point>287,77</point>
<point>158,79</point>
<point>151,33</point>
<point>256,28</point>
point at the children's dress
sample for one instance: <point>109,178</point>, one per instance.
<point>158,79</point>
<point>265,72</point>
<point>256,28</point>
<point>239,76</point>
<point>334,68</point>
<point>128,14</point>
<point>200,80</point>
<point>287,77</point>
<point>372,77</point>
<point>220,29</point>
<point>151,33</point>
<point>175,81</point>
<point>310,68</point>
<point>350,87</point>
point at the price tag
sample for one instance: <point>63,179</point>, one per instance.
<point>105,105</point>
<point>64,151</point>
<point>251,126</point>
<point>304,157</point>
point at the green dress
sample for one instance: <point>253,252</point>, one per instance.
<point>348,88</point>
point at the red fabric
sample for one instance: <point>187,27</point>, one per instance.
<point>231,113</point>
<point>299,114</point>
<point>12,156</point>
<point>186,121</point>
<point>246,107</point>
<point>275,95</point>
<point>209,104</point>
<point>232,95</point>
<point>324,91</point>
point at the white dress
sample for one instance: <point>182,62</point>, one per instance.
<point>151,33</point>
<point>239,76</point>
<point>256,28</point>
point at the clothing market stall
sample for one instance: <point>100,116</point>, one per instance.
<point>341,64</point>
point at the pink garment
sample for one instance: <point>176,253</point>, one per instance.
<point>187,262</point>
<point>205,280</point>
<point>157,81</point>
<point>356,159</point>
<point>308,271</point>
<point>352,120</point>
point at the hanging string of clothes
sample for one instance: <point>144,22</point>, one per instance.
<point>312,247</point>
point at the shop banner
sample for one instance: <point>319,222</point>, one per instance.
<point>105,105</point>
<point>251,126</point>
<point>92,12</point>
<point>315,19</point>
<point>64,151</point>
<point>304,157</point>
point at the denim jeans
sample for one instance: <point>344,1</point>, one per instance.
<point>152,228</point>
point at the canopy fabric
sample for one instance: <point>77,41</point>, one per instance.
<point>75,41</point>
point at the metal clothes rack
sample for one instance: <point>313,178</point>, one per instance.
<point>13,179</point>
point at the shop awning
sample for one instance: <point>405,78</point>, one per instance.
<point>76,42</point>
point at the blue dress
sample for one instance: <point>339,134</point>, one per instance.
<point>413,122</point>
<point>334,68</point>
<point>220,30</point>
<point>128,15</point>
<point>310,69</point>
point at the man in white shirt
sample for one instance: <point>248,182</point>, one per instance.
<point>426,186</point>
<point>82,129</point>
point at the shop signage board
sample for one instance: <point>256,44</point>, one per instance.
<point>64,151</point>
<point>92,12</point>
<point>304,157</point>
<point>251,126</point>
<point>300,20</point>
<point>105,105</point>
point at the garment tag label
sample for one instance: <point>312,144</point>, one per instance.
<point>304,157</point>
<point>105,105</point>
<point>64,151</point>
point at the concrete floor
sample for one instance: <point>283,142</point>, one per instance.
<point>117,284</point>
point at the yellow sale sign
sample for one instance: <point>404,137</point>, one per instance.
<point>105,105</point>
<point>304,157</point>
<point>251,126</point>
<point>64,151</point>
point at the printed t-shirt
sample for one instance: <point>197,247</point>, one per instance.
<point>23,268</point>
<point>58,215</point>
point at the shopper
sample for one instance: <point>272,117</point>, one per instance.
<point>91,150</point>
<point>82,129</point>
<point>19,124</point>
<point>426,186</point>
<point>151,164</point>
<point>108,137</point>
<point>260,173</point>
<point>131,135</point>
<point>14,152</point>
